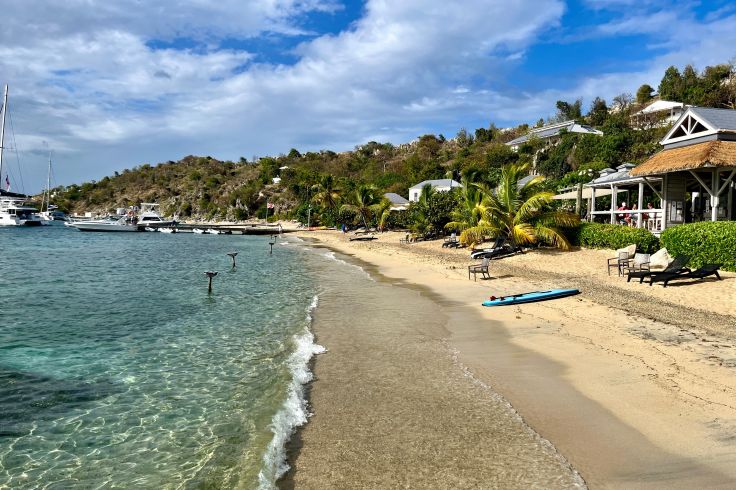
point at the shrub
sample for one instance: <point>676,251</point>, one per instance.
<point>706,243</point>
<point>598,235</point>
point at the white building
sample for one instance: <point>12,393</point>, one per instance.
<point>551,133</point>
<point>659,113</point>
<point>398,203</point>
<point>440,185</point>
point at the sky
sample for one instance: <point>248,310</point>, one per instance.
<point>111,84</point>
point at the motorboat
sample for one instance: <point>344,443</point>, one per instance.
<point>112,223</point>
<point>167,230</point>
<point>149,216</point>
<point>15,212</point>
<point>212,231</point>
<point>198,231</point>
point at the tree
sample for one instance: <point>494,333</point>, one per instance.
<point>567,111</point>
<point>671,86</point>
<point>644,94</point>
<point>598,112</point>
<point>364,201</point>
<point>464,138</point>
<point>623,101</point>
<point>468,213</point>
<point>522,214</point>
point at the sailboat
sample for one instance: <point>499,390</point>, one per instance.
<point>13,208</point>
<point>49,213</point>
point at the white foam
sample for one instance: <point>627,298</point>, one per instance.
<point>331,255</point>
<point>294,411</point>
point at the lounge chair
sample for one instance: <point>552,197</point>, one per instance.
<point>702,272</point>
<point>640,262</point>
<point>481,268</point>
<point>407,239</point>
<point>480,253</point>
<point>451,242</point>
<point>677,265</point>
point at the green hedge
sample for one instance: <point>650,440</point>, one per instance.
<point>706,243</point>
<point>598,235</point>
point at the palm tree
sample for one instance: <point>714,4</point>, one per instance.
<point>467,216</point>
<point>364,202</point>
<point>522,213</point>
<point>327,195</point>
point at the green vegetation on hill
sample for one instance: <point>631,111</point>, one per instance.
<point>333,188</point>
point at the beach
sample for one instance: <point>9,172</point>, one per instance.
<point>624,386</point>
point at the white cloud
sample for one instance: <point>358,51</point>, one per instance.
<point>84,75</point>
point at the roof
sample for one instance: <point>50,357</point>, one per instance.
<point>660,105</point>
<point>552,130</point>
<point>707,154</point>
<point>437,183</point>
<point>587,194</point>
<point>395,198</point>
<point>718,119</point>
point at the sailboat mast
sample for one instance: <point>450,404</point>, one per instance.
<point>47,194</point>
<point>2,132</point>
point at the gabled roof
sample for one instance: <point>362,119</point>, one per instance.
<point>609,176</point>
<point>552,130</point>
<point>700,122</point>
<point>395,198</point>
<point>437,183</point>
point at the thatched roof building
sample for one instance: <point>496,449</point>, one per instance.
<point>699,159</point>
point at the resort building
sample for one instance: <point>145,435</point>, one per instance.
<point>552,133</point>
<point>398,203</point>
<point>699,161</point>
<point>440,185</point>
<point>659,113</point>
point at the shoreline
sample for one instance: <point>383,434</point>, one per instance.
<point>626,401</point>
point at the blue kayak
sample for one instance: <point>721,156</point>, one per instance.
<point>530,297</point>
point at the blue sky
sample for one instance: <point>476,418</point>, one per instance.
<point>111,84</point>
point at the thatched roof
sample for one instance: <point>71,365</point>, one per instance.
<point>708,154</point>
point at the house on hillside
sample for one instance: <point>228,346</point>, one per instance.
<point>552,133</point>
<point>699,159</point>
<point>398,203</point>
<point>440,185</point>
<point>658,114</point>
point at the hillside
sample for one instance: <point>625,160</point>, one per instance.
<point>206,188</point>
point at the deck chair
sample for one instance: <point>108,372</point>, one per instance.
<point>677,265</point>
<point>481,268</point>
<point>480,253</point>
<point>700,273</point>
<point>407,239</point>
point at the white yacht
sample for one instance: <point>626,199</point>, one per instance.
<point>149,216</point>
<point>14,211</point>
<point>112,223</point>
<point>13,208</point>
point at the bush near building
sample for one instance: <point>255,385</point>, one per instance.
<point>598,235</point>
<point>706,243</point>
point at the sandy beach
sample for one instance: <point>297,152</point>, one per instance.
<point>632,385</point>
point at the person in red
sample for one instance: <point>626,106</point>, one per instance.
<point>622,217</point>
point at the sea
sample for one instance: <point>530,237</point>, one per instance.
<point>118,369</point>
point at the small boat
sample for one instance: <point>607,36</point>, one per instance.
<point>113,223</point>
<point>198,231</point>
<point>167,230</point>
<point>212,231</point>
<point>149,216</point>
<point>530,297</point>
<point>148,228</point>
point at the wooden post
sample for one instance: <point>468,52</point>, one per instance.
<point>714,201</point>
<point>640,206</point>
<point>614,198</point>
<point>663,200</point>
<point>592,204</point>
<point>579,199</point>
<point>730,201</point>
<point>210,275</point>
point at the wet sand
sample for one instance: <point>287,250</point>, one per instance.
<point>629,401</point>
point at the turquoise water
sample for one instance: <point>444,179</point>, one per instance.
<point>119,370</point>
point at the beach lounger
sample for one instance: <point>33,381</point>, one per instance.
<point>700,273</point>
<point>677,265</point>
<point>451,242</point>
<point>481,268</point>
<point>488,252</point>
